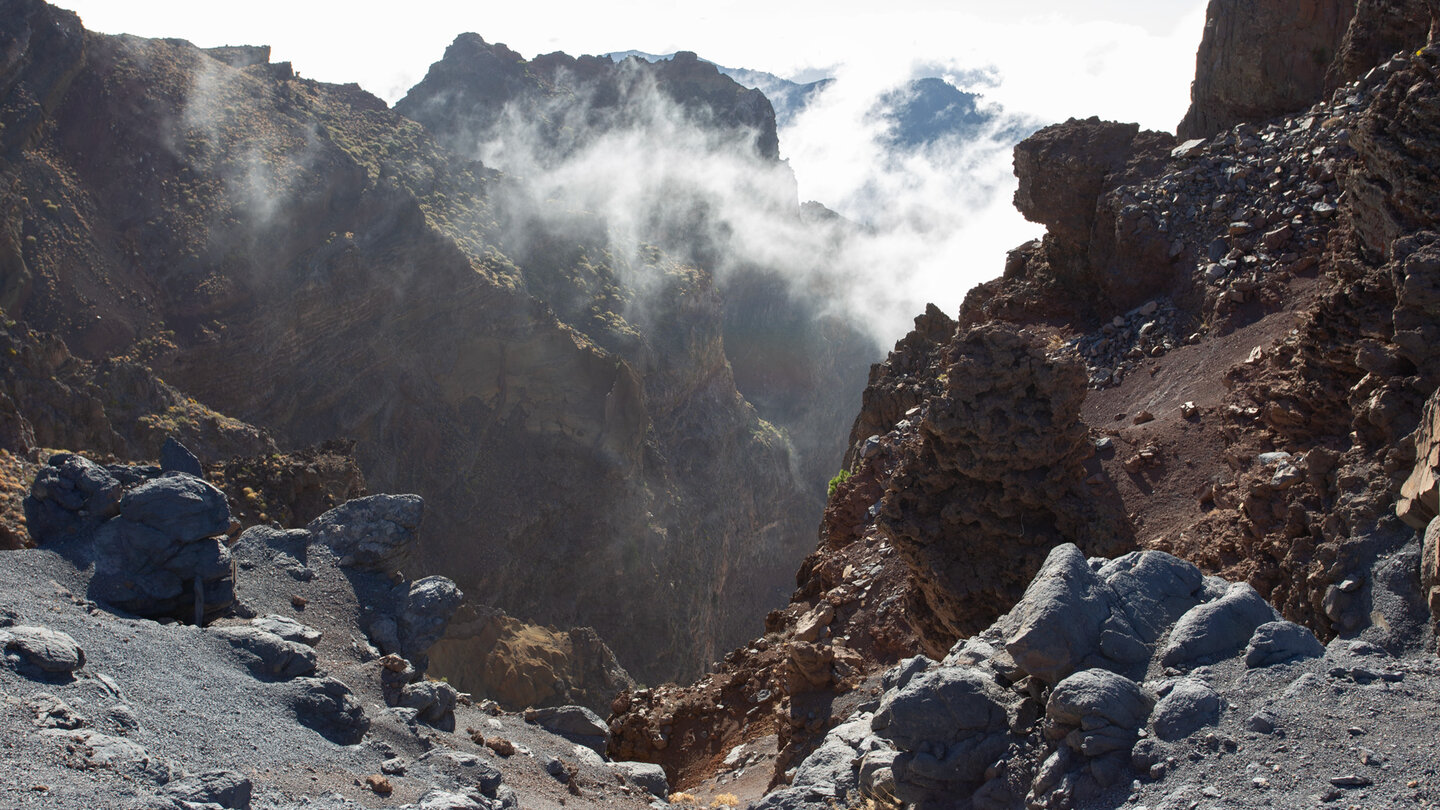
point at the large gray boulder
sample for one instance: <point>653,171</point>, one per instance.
<point>950,724</point>
<point>219,787</point>
<point>47,650</point>
<point>1094,695</point>
<point>328,706</point>
<point>288,629</point>
<point>375,533</point>
<point>1059,621</point>
<point>575,723</point>
<point>1217,628</point>
<point>649,776</point>
<point>433,702</point>
<point>69,495</point>
<point>179,506</point>
<point>1154,589</point>
<point>429,606</point>
<point>1278,642</point>
<point>1189,706</point>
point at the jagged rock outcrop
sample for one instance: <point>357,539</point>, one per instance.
<point>1103,250</point>
<point>154,537</point>
<point>1390,186</point>
<point>1260,60</point>
<point>996,481</point>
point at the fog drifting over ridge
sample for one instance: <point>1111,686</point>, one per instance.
<point>938,218</point>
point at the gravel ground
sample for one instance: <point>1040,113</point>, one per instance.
<point>167,700</point>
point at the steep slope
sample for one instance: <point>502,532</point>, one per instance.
<point>229,225</point>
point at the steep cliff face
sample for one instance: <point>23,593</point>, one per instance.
<point>1260,60</point>
<point>232,225</point>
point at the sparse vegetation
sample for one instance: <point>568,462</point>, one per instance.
<point>840,478</point>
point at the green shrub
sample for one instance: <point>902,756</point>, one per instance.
<point>840,478</point>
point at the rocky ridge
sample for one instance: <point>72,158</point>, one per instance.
<point>1247,306</point>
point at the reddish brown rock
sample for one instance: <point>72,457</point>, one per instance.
<point>996,482</point>
<point>1260,60</point>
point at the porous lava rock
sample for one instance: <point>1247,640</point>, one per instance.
<point>997,481</point>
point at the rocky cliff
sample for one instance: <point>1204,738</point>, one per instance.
<point>1259,60</point>
<point>221,221</point>
<point>1235,323</point>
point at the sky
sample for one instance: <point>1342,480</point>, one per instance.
<point>943,217</point>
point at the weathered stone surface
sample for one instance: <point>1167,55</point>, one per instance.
<point>224,788</point>
<point>429,605</point>
<point>1218,627</point>
<point>1389,186</point>
<point>328,706</point>
<point>374,533</point>
<point>1059,621</point>
<point>1098,693</point>
<point>1259,60</point>
<point>40,647</point>
<point>647,775</point>
<point>269,655</point>
<point>288,629</point>
<point>1190,705</point>
<point>1278,642</point>
<point>176,457</point>
<point>1419,500</point>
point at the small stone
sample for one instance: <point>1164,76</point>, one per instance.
<point>379,784</point>
<point>1350,781</point>
<point>1189,410</point>
<point>299,602</point>
<point>1143,417</point>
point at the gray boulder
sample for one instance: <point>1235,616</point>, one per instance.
<point>438,799</point>
<point>1217,628</point>
<point>1059,621</point>
<point>647,775</point>
<point>1189,706</point>
<point>1154,589</point>
<point>575,723</point>
<point>176,457</point>
<point>181,507</point>
<point>47,650</point>
<point>1097,694</point>
<point>328,706</point>
<point>1278,642</point>
<point>949,724</point>
<point>268,655</point>
<point>433,702</point>
<point>374,533</point>
<point>430,604</point>
<point>288,629</point>
<point>69,495</point>
<point>224,788</point>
